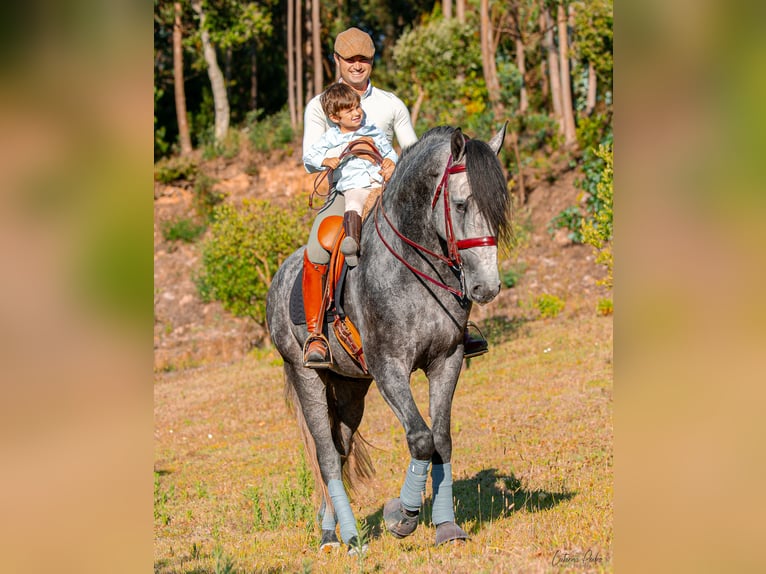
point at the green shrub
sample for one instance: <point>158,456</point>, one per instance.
<point>510,277</point>
<point>245,248</point>
<point>539,130</point>
<point>605,307</point>
<point>161,147</point>
<point>549,305</point>
<point>598,230</point>
<point>227,149</point>
<point>593,131</point>
<point>428,59</point>
<point>205,197</point>
<point>182,230</point>
<point>571,219</point>
<point>269,133</point>
<point>174,169</point>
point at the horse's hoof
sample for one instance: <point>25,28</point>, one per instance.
<point>356,549</point>
<point>329,541</point>
<point>398,522</point>
<point>448,532</point>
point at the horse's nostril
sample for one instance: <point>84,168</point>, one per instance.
<point>483,293</point>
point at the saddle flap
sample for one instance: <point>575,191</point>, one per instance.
<point>349,338</point>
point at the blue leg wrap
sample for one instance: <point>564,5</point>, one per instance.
<point>414,484</point>
<point>343,512</point>
<point>443,509</point>
<point>328,517</point>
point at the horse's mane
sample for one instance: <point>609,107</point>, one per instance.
<point>488,186</point>
<point>485,174</point>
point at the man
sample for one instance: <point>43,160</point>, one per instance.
<point>353,53</point>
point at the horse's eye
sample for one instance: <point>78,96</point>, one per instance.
<point>460,206</point>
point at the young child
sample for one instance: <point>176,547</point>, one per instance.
<point>354,177</point>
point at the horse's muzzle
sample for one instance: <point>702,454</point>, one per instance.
<point>483,292</point>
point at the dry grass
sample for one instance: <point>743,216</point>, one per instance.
<point>532,434</point>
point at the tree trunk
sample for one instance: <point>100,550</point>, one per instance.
<point>570,136</point>
<point>544,87</point>
<point>590,102</point>
<point>488,62</point>
<point>178,83</point>
<point>522,187</point>
<point>291,63</point>
<point>460,9</point>
<point>554,76</point>
<point>316,32</point>
<point>418,102</point>
<point>447,9</point>
<point>299,59</point>
<point>217,82</point>
<point>522,66</point>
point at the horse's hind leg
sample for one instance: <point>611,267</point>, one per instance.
<point>312,399</point>
<point>345,399</point>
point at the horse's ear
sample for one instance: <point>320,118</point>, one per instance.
<point>496,143</point>
<point>457,146</point>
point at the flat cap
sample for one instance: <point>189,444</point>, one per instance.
<point>354,42</point>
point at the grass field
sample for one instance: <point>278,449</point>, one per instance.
<point>532,460</point>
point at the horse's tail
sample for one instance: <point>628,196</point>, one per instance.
<point>357,466</point>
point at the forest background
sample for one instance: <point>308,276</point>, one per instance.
<point>546,66</point>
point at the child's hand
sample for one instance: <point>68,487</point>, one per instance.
<point>387,169</point>
<point>331,162</point>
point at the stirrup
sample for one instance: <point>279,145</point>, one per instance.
<point>474,346</point>
<point>326,361</point>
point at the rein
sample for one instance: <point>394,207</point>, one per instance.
<point>452,259</point>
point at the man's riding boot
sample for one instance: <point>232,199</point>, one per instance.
<point>316,350</point>
<point>352,225</point>
<point>473,345</point>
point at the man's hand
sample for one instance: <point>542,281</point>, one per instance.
<point>387,169</point>
<point>331,162</point>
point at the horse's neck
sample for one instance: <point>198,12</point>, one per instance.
<point>411,216</point>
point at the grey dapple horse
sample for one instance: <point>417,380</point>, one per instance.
<point>428,251</point>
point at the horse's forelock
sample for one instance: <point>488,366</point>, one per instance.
<point>488,187</point>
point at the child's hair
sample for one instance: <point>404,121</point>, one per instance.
<point>337,98</point>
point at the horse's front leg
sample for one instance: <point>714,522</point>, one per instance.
<point>442,378</point>
<point>401,514</point>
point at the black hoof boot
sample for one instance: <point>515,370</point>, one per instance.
<point>399,521</point>
<point>449,532</point>
<point>329,541</point>
<point>355,548</point>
